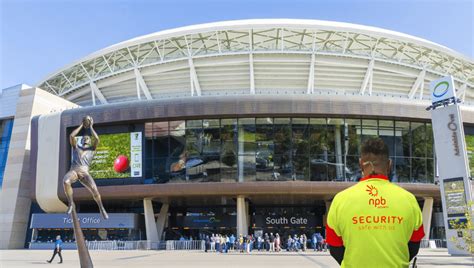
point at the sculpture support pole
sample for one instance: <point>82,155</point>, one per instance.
<point>84,257</point>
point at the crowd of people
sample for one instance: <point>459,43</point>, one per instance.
<point>224,243</point>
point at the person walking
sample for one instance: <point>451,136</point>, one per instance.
<point>314,241</point>
<point>218,243</point>
<point>272,242</point>
<point>277,242</point>
<point>208,243</point>
<point>267,242</point>
<point>319,241</point>
<point>289,243</point>
<point>57,250</point>
<point>227,243</point>
<point>304,241</point>
<point>374,223</point>
<point>232,241</point>
<point>241,243</point>
<point>213,242</point>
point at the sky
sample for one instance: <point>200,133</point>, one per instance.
<point>40,37</point>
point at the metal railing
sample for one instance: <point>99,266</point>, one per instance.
<point>433,243</point>
<point>122,245</point>
<point>186,245</point>
<point>147,245</point>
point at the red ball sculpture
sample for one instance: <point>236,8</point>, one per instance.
<point>121,164</point>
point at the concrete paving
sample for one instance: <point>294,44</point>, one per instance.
<point>188,259</point>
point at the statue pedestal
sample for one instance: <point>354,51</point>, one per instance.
<point>84,257</point>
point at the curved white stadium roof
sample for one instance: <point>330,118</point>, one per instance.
<point>265,56</point>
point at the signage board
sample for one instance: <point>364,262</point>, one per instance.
<point>308,221</point>
<point>118,155</point>
<point>442,89</point>
<point>205,221</point>
<point>455,197</point>
<point>87,220</point>
<point>450,144</point>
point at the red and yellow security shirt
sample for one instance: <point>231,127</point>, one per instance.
<point>374,220</point>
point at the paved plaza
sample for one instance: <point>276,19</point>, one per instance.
<point>178,259</point>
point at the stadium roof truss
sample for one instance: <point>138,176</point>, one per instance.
<point>263,57</point>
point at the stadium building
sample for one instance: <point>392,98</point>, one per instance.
<point>236,127</point>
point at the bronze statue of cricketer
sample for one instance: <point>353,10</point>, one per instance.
<point>82,156</point>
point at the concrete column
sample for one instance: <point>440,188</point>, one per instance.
<point>340,166</point>
<point>162,219</point>
<point>150,225</point>
<point>242,216</point>
<point>427,212</point>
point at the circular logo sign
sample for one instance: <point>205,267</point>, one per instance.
<point>440,89</point>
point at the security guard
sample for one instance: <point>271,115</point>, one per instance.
<point>374,223</point>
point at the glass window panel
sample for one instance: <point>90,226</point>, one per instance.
<point>247,143</point>
<point>160,127</point>
<point>282,134</point>
<point>299,122</point>
<point>353,136</point>
<point>211,137</point>
<point>194,139</point>
<point>177,127</point>
<point>352,169</point>
<point>402,169</point>
<point>210,123</point>
<point>177,137</point>
<point>429,141</point>
<point>300,135</point>
<point>387,134</point>
<point>148,129</point>
<point>402,139</point>
<point>334,136</point>
<point>418,134</point>
<point>430,166</point>
<point>264,161</point>
<point>148,167</point>
<point>283,167</point>
<point>5,134</point>
<point>193,124</point>
<point>319,168</point>
<point>265,149</point>
<point>160,146</point>
<point>247,167</point>
<point>300,167</point>
<point>212,171</point>
<point>229,166</point>
<point>418,171</point>
<point>195,168</point>
<point>318,136</point>
<point>160,169</point>
<point>229,130</point>
<point>369,129</point>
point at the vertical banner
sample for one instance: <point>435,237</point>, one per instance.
<point>136,154</point>
<point>448,132</point>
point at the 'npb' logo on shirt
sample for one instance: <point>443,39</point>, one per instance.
<point>376,200</point>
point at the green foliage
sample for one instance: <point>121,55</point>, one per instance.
<point>466,229</point>
<point>110,147</point>
<point>470,152</point>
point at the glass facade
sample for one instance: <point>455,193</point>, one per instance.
<point>5,135</point>
<point>281,149</point>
